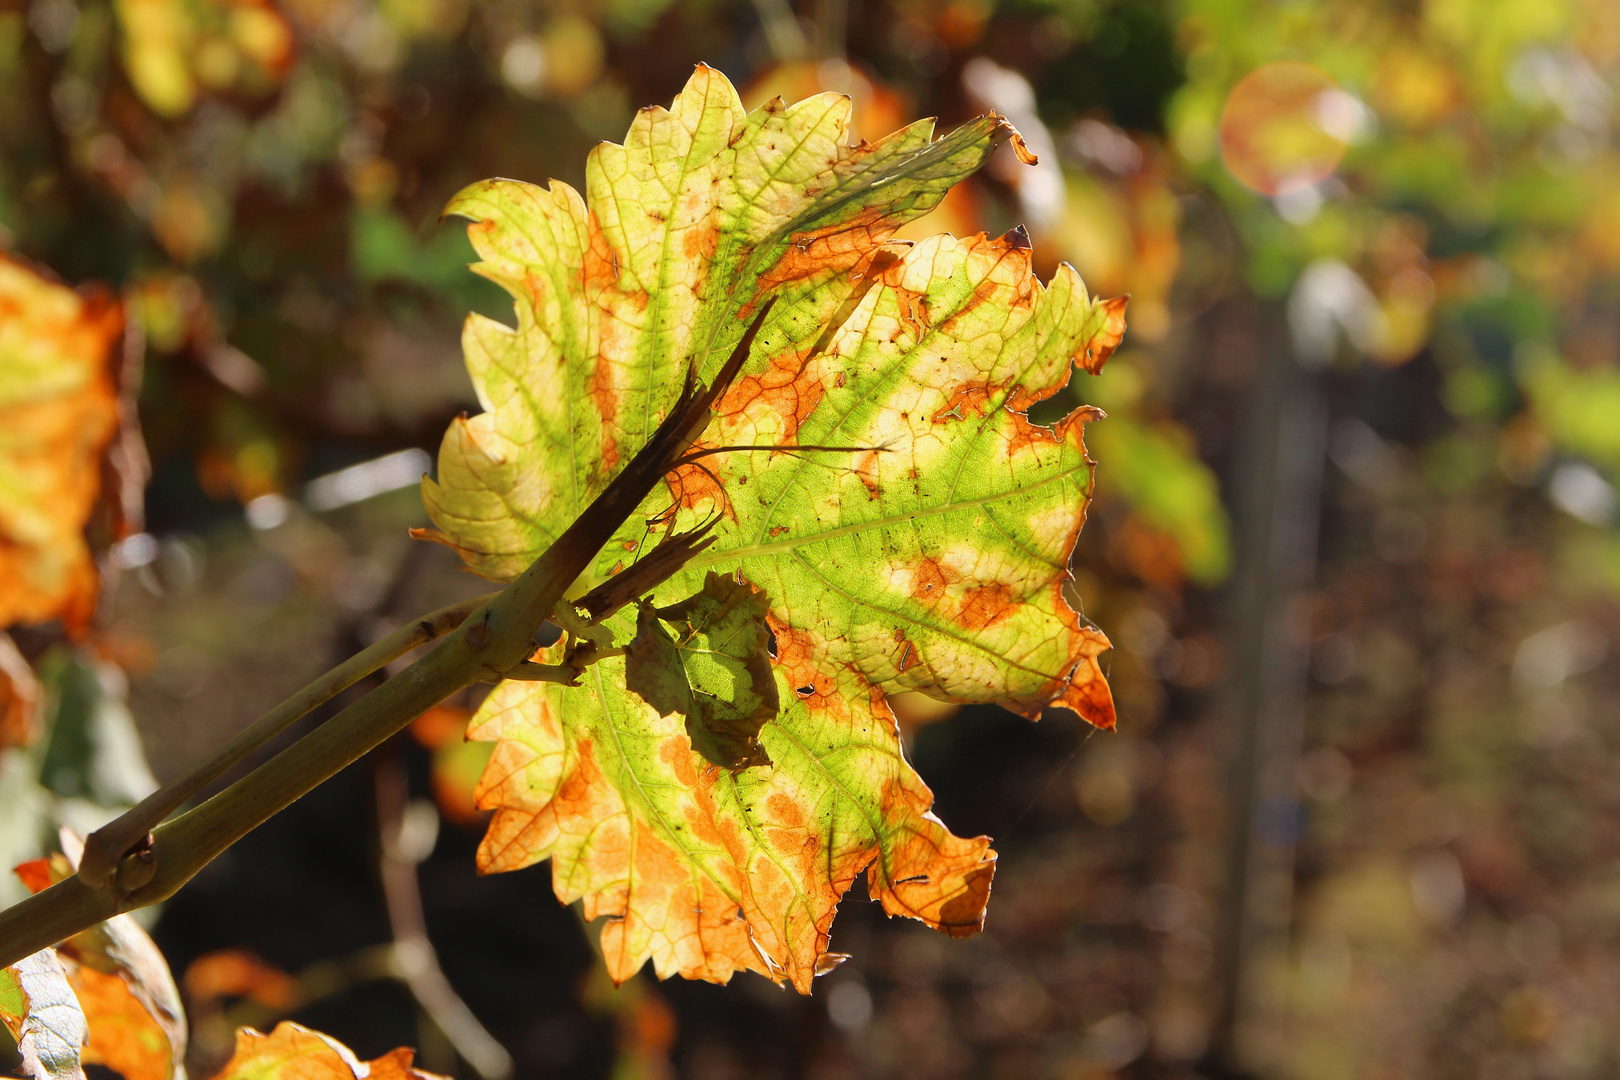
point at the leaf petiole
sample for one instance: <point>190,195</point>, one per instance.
<point>107,845</point>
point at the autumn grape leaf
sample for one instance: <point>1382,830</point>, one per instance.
<point>930,554</point>
<point>715,670</point>
<point>294,1052</point>
<point>122,983</point>
<point>59,411</point>
<point>38,1007</point>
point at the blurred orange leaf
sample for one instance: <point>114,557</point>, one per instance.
<point>59,411</point>
<point>232,973</point>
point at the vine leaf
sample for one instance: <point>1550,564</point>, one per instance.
<point>38,1007</point>
<point>715,670</point>
<point>930,553</point>
<point>294,1052</point>
<point>59,412</point>
<point>123,985</point>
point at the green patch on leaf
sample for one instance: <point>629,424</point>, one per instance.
<point>715,670</point>
<point>39,1009</point>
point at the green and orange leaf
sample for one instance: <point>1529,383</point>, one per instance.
<point>38,1007</point>
<point>293,1052</point>
<point>59,411</point>
<point>137,1026</point>
<point>715,670</point>
<point>929,554</point>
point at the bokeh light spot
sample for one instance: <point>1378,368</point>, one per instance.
<point>1278,131</point>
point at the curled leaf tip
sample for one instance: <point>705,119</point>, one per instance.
<point>1004,128</point>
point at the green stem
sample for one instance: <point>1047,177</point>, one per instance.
<point>493,639</point>
<point>104,847</point>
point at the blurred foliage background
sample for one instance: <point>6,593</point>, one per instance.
<point>1354,536</point>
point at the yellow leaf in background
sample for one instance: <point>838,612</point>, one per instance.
<point>1414,86</point>
<point>1121,234</point>
<point>59,411</point>
<point>175,49</point>
<point>1155,468</point>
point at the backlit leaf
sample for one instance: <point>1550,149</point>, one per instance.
<point>58,412</point>
<point>38,1007</point>
<point>928,554</point>
<point>293,1052</point>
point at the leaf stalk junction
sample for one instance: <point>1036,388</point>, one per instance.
<point>144,857</point>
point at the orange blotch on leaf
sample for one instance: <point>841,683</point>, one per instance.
<point>930,580</point>
<point>968,398</point>
<point>788,388</point>
<point>601,266</point>
<point>699,242</point>
<point>693,486</point>
<point>832,249</point>
<point>985,605</point>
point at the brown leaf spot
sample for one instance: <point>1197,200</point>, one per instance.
<point>929,580</point>
<point>913,309</point>
<point>692,486</point>
<point>797,655</point>
<point>865,467</point>
<point>968,398</point>
<point>607,404</point>
<point>831,249</point>
<point>985,605</point>
<point>785,811</point>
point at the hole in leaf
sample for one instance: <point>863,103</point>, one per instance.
<point>805,691</point>
<point>770,642</point>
